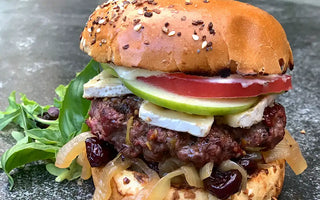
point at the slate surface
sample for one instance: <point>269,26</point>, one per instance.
<point>39,51</point>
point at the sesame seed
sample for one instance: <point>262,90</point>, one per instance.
<point>140,12</point>
<point>125,46</point>
<point>156,11</point>
<point>209,44</point>
<point>188,2</point>
<point>179,34</point>
<point>206,1</point>
<point>93,41</point>
<point>165,29</point>
<point>166,24</point>
<point>104,41</point>
<point>172,33</point>
<point>84,42</point>
<point>148,14</point>
<point>195,37</point>
<point>197,22</point>
<point>89,30</point>
<point>136,21</point>
<point>204,44</point>
<point>204,38</point>
<point>184,18</point>
<point>137,27</point>
<point>146,42</point>
<point>101,21</point>
<point>98,30</point>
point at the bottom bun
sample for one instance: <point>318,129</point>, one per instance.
<point>265,185</point>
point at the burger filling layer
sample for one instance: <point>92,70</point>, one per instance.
<point>116,121</point>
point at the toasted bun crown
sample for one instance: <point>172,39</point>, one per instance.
<point>193,36</point>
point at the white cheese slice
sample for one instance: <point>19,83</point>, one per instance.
<point>194,124</point>
<point>104,85</point>
<point>249,117</point>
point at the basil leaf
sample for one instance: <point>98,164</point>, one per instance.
<point>22,154</point>
<point>75,108</point>
<point>49,136</point>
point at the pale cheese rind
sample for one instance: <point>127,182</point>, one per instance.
<point>251,116</point>
<point>104,85</point>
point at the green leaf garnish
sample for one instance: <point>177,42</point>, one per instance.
<point>75,108</point>
<point>34,143</point>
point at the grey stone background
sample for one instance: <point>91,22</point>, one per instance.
<point>39,50</point>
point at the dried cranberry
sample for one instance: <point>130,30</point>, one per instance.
<point>99,152</point>
<point>249,162</point>
<point>53,113</point>
<point>249,165</point>
<point>223,184</point>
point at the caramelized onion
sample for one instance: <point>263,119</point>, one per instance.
<point>102,177</point>
<point>162,187</point>
<point>153,178</point>
<point>206,170</point>
<point>86,168</point>
<point>229,165</point>
<point>169,165</point>
<point>192,176</point>
<point>129,125</point>
<point>289,150</point>
<point>71,150</point>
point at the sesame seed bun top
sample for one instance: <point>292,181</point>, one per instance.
<point>194,36</point>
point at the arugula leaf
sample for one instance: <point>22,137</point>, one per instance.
<point>21,114</point>
<point>22,154</point>
<point>7,118</point>
<point>17,135</point>
<point>51,136</point>
<point>75,108</point>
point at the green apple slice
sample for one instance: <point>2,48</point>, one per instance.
<point>199,106</point>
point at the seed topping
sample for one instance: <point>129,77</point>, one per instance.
<point>148,14</point>
<point>195,37</point>
<point>125,46</point>
<point>197,22</point>
<point>137,27</point>
<point>172,33</point>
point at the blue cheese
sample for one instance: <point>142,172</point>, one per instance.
<point>251,116</point>
<point>104,85</point>
<point>193,124</point>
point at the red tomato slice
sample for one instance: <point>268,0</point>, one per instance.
<point>233,86</point>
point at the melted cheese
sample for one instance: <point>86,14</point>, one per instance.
<point>194,124</point>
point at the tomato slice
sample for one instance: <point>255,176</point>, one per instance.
<point>233,86</point>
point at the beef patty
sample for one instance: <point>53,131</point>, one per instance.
<point>109,117</point>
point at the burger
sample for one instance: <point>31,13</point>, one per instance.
<point>185,106</point>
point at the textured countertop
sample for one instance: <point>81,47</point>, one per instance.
<point>39,50</point>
